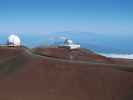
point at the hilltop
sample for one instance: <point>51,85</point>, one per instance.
<point>68,54</point>
<point>49,73</point>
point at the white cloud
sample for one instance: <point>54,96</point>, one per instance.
<point>124,56</point>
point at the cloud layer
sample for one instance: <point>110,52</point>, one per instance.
<point>124,56</point>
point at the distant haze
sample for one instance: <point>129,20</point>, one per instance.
<point>98,42</point>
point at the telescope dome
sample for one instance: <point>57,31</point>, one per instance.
<point>14,40</point>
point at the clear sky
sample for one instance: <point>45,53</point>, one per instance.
<point>66,15</point>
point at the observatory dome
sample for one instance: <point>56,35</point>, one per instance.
<point>14,40</point>
<point>68,42</point>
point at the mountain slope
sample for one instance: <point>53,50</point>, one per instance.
<point>41,77</point>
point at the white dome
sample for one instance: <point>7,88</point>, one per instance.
<point>68,42</point>
<point>14,40</point>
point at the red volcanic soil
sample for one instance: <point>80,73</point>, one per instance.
<point>75,54</point>
<point>28,76</point>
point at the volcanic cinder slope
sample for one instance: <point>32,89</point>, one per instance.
<point>62,74</point>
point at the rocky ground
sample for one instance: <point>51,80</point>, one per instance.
<point>61,74</point>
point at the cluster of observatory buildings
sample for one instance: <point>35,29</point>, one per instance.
<point>15,41</point>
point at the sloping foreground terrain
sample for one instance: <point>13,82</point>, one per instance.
<point>29,75</point>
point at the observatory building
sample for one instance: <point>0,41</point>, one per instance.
<point>13,40</point>
<point>69,44</point>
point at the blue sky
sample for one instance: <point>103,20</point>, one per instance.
<point>42,16</point>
